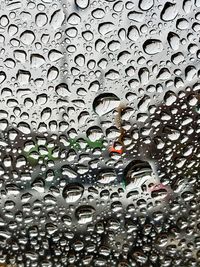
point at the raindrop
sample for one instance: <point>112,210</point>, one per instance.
<point>105,103</point>
<point>107,176</point>
<point>146,4</point>
<point>2,77</point>
<point>74,19</point>
<point>57,19</point>
<point>153,46</point>
<point>72,192</point>
<point>133,33</point>
<point>52,74</point>
<point>106,27</point>
<point>27,37</point>
<point>82,3</point>
<point>37,60</point>
<point>41,19</point>
<point>169,12</point>
<point>55,55</point>
<point>62,90</point>
<point>85,214</point>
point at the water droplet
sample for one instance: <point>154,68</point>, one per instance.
<point>27,37</point>
<point>105,103</point>
<point>153,46</point>
<point>73,192</point>
<point>82,3</point>
<point>146,5</point>
<point>57,19</point>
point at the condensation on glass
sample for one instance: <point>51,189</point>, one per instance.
<point>99,133</point>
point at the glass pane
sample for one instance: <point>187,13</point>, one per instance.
<point>99,133</point>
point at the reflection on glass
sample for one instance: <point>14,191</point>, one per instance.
<point>99,133</point>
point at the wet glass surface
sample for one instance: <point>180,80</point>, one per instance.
<point>99,133</point>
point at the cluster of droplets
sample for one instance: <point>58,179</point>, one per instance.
<point>99,133</point>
